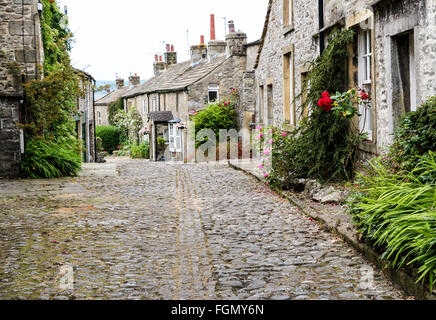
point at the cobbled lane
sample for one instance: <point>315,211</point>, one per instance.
<point>170,231</point>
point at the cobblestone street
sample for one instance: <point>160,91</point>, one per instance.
<point>143,230</point>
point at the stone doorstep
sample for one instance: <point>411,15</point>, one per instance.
<point>332,223</point>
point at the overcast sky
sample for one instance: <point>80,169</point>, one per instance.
<point>113,36</point>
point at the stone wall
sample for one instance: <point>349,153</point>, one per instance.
<point>278,38</point>
<point>86,107</point>
<point>392,19</point>
<point>21,47</point>
<point>20,54</point>
<point>389,18</point>
<point>9,137</point>
<point>104,115</point>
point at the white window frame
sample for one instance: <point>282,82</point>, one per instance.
<point>154,104</point>
<point>99,117</point>
<point>365,79</point>
<point>213,88</point>
<point>365,57</point>
<point>175,138</point>
<point>144,109</point>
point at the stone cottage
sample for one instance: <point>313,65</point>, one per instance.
<point>21,52</point>
<point>180,89</point>
<point>102,105</point>
<point>393,57</point>
<point>85,118</point>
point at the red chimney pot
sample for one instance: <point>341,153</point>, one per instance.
<point>172,48</point>
<point>212,27</point>
<point>201,39</point>
<point>160,58</point>
<point>156,58</point>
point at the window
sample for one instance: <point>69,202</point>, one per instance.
<point>365,56</point>
<point>365,79</point>
<point>405,84</point>
<point>261,104</point>
<point>213,93</point>
<point>175,138</point>
<point>144,105</point>
<point>288,90</point>
<point>288,13</point>
<point>269,97</point>
<point>153,104</point>
<point>99,118</point>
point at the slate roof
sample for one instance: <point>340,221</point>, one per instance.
<point>161,116</point>
<point>112,96</point>
<point>177,77</point>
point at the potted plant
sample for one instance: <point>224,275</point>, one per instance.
<point>161,141</point>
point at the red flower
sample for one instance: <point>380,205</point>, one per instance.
<point>364,96</point>
<point>325,102</point>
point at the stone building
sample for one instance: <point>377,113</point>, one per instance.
<point>85,118</point>
<point>393,57</point>
<point>21,52</point>
<point>102,105</point>
<point>180,89</point>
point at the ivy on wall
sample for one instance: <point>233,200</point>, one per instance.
<point>323,146</point>
<point>56,37</point>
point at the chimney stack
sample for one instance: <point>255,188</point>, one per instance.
<point>170,56</point>
<point>158,65</point>
<point>119,83</point>
<point>236,41</point>
<point>231,27</point>
<point>134,80</point>
<point>212,27</point>
<point>214,47</point>
<point>199,52</point>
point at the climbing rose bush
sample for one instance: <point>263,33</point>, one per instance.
<point>344,104</point>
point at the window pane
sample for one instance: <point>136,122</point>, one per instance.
<point>213,96</point>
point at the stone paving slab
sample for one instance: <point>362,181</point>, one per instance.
<point>175,231</point>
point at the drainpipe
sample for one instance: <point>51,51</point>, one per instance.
<point>321,25</point>
<point>95,129</point>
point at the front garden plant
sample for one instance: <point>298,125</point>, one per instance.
<point>394,201</point>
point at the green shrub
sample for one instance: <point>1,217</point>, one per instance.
<point>110,137</point>
<point>49,160</point>
<point>415,136</point>
<point>129,124</point>
<point>217,116</point>
<point>397,213</point>
<point>141,151</point>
